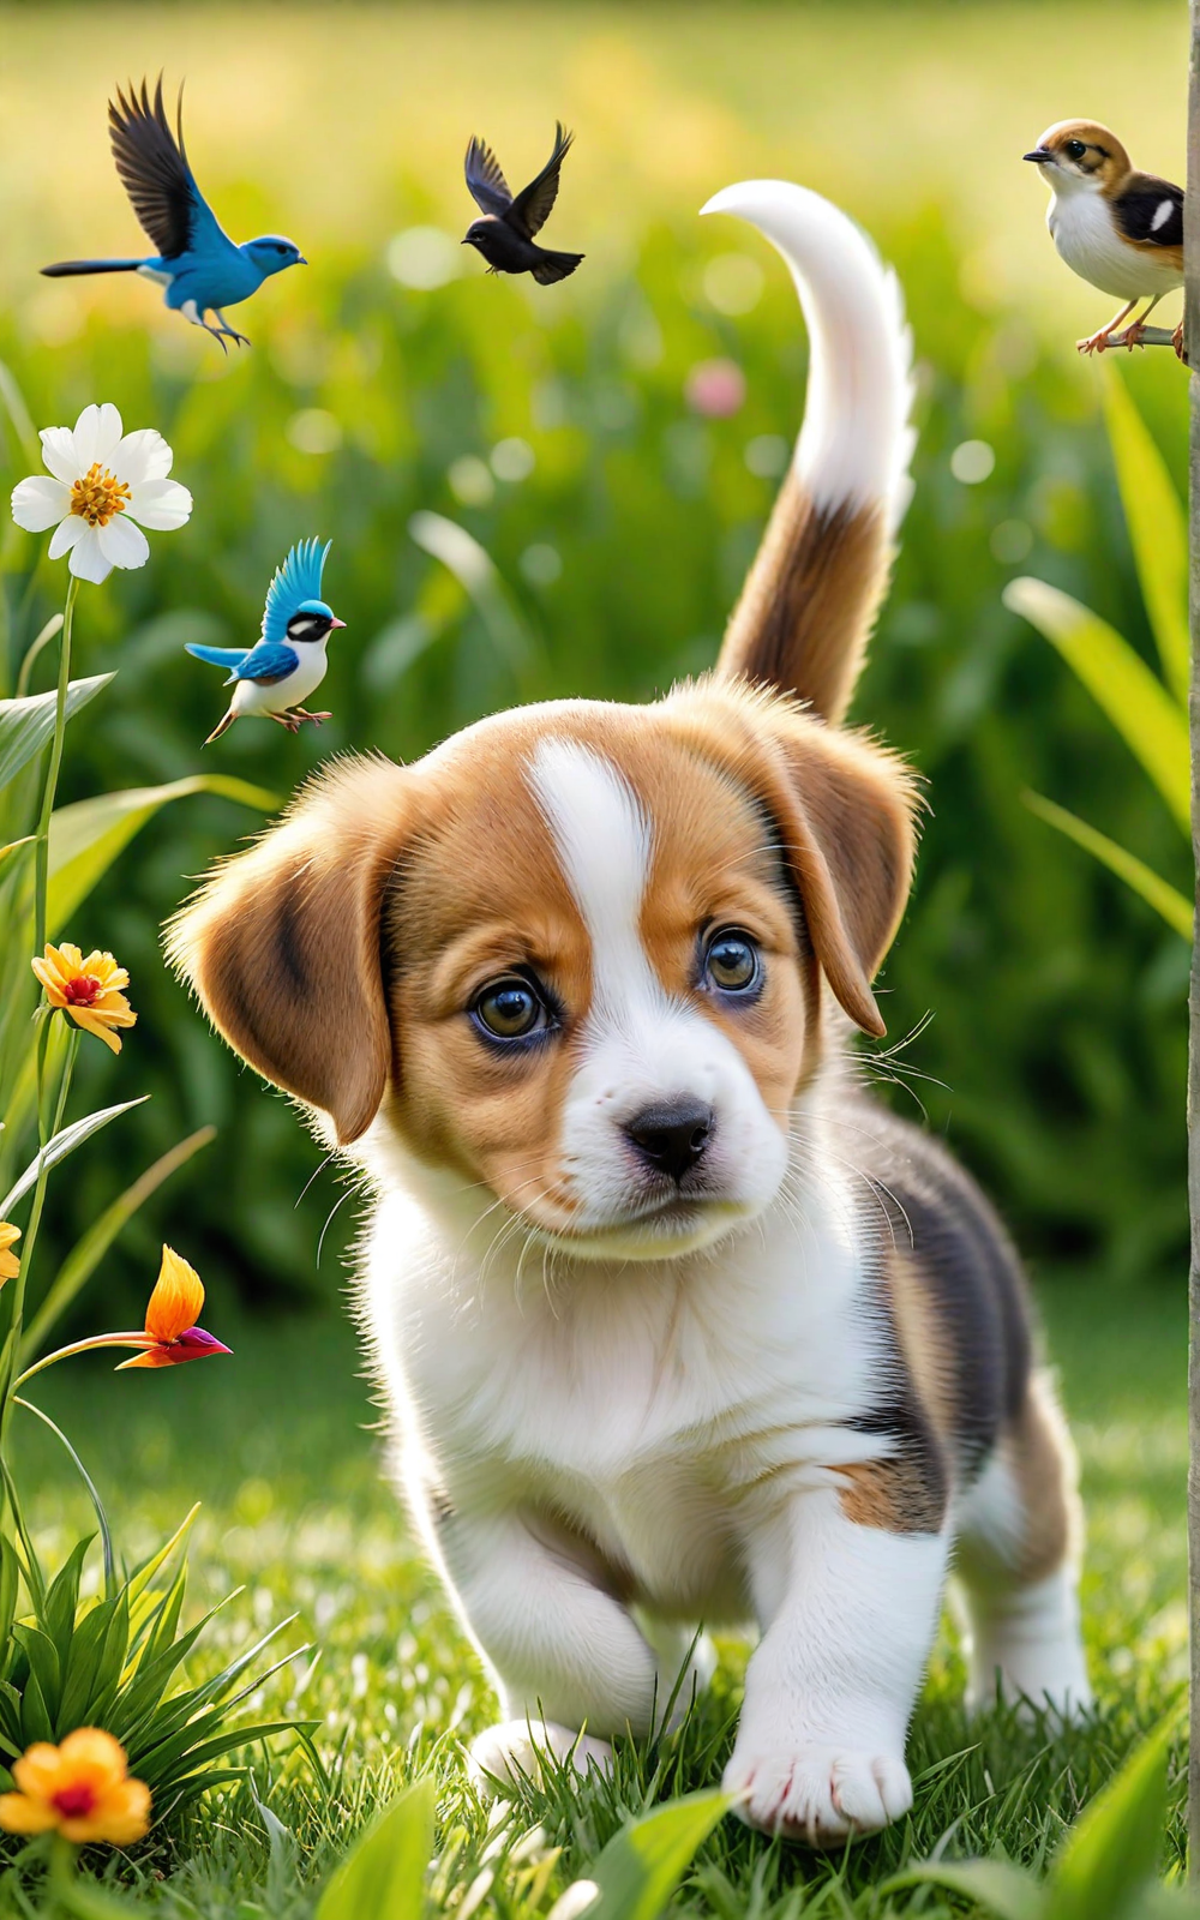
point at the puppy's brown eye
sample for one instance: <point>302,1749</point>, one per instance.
<point>509,1009</point>
<point>731,962</point>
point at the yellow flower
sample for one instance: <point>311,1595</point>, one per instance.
<point>82,1790</point>
<point>10,1266</point>
<point>87,990</point>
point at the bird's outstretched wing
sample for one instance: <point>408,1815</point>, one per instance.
<point>154,170</point>
<point>531,208</point>
<point>267,663</point>
<point>297,580</point>
<point>1150,212</point>
<point>489,189</point>
<point>218,656</point>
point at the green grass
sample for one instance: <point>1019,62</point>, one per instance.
<point>278,1443</point>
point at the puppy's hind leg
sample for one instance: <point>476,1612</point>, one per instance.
<point>1018,1560</point>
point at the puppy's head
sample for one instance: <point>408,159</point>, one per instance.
<point>578,955</point>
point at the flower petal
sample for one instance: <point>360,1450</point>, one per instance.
<point>177,1300</point>
<point>149,1357</point>
<point>142,455</point>
<point>87,560</point>
<point>51,980</point>
<point>65,535</point>
<point>124,544</point>
<point>19,1815</point>
<point>161,505</point>
<point>40,502</point>
<point>195,1344</point>
<point>58,452</point>
<point>122,1817</point>
<point>97,431</point>
<point>95,1756</point>
<point>39,1770</point>
<point>85,1018</point>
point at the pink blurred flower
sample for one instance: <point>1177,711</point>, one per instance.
<point>715,388</point>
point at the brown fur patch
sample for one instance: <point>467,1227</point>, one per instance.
<point>1039,1453</point>
<point>895,1495</point>
<point>282,944</point>
<point>809,602</point>
<point>925,1342</point>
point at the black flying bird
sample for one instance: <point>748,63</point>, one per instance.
<point>505,234</point>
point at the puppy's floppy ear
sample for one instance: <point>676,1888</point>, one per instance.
<point>282,944</point>
<point>846,811</point>
<point>843,811</point>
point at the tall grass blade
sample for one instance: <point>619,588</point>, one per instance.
<point>1175,907</point>
<point>640,1868</point>
<point>1112,1850</point>
<point>1150,721</point>
<point>87,1253</point>
<point>86,838</point>
<point>63,1143</point>
<point>384,1877</point>
<point>26,725</point>
<point>1157,529</point>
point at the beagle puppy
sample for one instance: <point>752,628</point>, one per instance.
<point>677,1327</point>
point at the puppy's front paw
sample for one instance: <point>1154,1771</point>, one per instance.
<point>818,1794</point>
<point>515,1749</point>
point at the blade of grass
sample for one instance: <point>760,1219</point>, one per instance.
<point>1157,529</point>
<point>1166,900</point>
<point>90,1249</point>
<point>1150,721</point>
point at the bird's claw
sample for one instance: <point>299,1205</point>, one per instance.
<point>302,713</point>
<point>222,334</point>
<point>1133,336</point>
<point>1096,342</point>
<point>1177,342</point>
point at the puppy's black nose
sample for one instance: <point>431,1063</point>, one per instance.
<point>672,1136</point>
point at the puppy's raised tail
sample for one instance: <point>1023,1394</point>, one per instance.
<point>811,597</point>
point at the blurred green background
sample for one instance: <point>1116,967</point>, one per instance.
<point>559,428</point>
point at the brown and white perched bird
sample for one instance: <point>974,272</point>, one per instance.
<point>1118,229</point>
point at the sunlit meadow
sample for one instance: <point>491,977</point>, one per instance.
<point>391,380</point>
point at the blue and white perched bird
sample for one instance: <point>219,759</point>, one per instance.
<point>288,663</point>
<point>199,265</point>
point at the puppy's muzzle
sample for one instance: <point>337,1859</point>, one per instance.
<point>672,1136</point>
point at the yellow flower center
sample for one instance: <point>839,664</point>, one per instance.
<point>99,496</point>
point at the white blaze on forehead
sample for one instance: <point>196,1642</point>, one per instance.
<point>603,842</point>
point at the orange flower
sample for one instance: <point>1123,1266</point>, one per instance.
<point>87,990</point>
<point>10,1266</point>
<point>171,1315</point>
<point>82,1790</point>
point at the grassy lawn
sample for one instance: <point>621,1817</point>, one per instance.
<point>278,1444</point>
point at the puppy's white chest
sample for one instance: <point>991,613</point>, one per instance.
<point>649,1407</point>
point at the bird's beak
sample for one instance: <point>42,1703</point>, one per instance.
<point>1041,157</point>
<point>335,622</point>
<point>302,262</point>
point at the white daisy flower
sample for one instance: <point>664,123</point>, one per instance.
<point>105,487</point>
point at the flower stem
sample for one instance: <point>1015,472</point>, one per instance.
<point>47,1128</point>
<point>134,1339</point>
<point>41,868</point>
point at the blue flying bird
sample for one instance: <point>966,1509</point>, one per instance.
<point>288,663</point>
<point>198,264</point>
